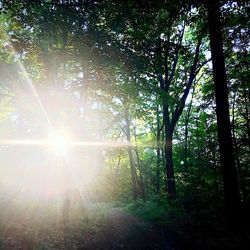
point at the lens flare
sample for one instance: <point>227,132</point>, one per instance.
<point>59,143</point>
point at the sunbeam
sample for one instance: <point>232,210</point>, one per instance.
<point>61,142</point>
<point>29,82</point>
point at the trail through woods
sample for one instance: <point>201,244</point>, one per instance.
<point>101,228</point>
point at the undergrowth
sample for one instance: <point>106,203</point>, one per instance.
<point>193,222</point>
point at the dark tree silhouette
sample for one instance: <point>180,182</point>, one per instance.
<point>230,185</point>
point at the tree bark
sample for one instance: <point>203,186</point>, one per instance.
<point>158,151</point>
<point>186,133</point>
<point>236,150</point>
<point>116,177</point>
<point>130,154</point>
<point>168,147</point>
<point>163,157</point>
<point>230,181</point>
<point>139,165</point>
<point>247,116</point>
<point>169,164</point>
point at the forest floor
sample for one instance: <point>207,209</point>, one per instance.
<point>102,227</point>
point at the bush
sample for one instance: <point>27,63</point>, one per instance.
<point>149,210</point>
<point>194,222</point>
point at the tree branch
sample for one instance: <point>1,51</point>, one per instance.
<point>176,55</point>
<point>202,65</point>
<point>192,75</point>
<point>80,4</point>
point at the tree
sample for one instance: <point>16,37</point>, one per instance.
<point>231,189</point>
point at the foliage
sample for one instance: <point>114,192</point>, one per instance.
<point>135,76</point>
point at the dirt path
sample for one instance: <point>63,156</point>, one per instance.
<point>125,231</point>
<point>101,229</point>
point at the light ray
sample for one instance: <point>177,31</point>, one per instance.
<point>71,143</point>
<point>24,142</point>
<point>30,84</point>
<point>107,144</point>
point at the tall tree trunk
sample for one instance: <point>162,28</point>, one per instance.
<point>170,166</point>
<point>171,188</point>
<point>163,157</point>
<point>116,178</point>
<point>158,151</point>
<point>186,133</point>
<point>139,164</point>
<point>186,145</point>
<point>130,154</point>
<point>211,146</point>
<point>236,149</point>
<point>230,181</point>
<point>247,116</point>
<point>198,151</point>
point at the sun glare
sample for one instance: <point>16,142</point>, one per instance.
<point>59,143</point>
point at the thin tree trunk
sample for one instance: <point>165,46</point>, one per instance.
<point>186,146</point>
<point>170,167</point>
<point>211,148</point>
<point>163,157</point>
<point>230,181</point>
<point>247,117</point>
<point>236,149</point>
<point>158,151</point>
<point>169,155</point>
<point>198,152</point>
<point>116,177</point>
<point>130,154</point>
<point>139,164</point>
<point>186,134</point>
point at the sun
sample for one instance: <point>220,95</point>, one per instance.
<point>59,143</point>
